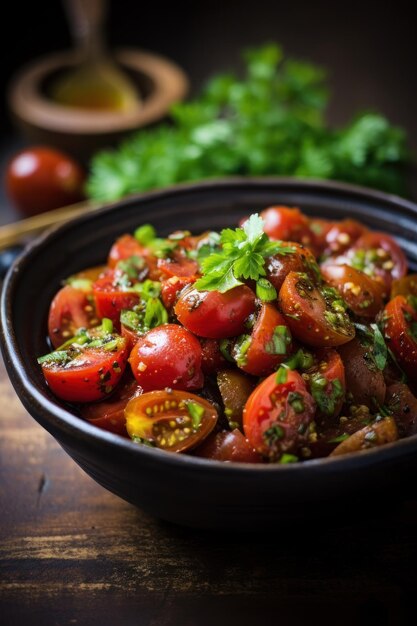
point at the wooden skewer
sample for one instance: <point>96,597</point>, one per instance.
<point>17,232</point>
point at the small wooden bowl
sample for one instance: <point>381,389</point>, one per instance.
<point>80,133</point>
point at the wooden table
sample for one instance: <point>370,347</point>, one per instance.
<point>72,553</point>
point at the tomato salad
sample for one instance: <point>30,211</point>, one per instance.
<point>285,339</point>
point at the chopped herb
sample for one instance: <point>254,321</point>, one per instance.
<point>296,401</point>
<point>380,352</point>
<point>107,325</point>
<point>196,412</point>
<point>273,434</point>
<point>288,458</point>
<point>145,234</point>
<point>225,347</point>
<point>339,438</point>
<point>282,375</point>
<point>242,256</point>
<point>265,290</point>
<point>58,356</point>
<point>240,349</point>
<point>280,341</point>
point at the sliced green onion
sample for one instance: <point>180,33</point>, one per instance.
<point>155,314</point>
<point>145,234</point>
<point>130,319</point>
<point>282,375</point>
<point>288,458</point>
<point>107,325</point>
<point>240,349</point>
<point>280,341</point>
<point>59,356</point>
<point>265,290</point>
<point>196,412</point>
<point>83,284</point>
<point>225,347</point>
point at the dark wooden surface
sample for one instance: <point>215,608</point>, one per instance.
<point>72,553</point>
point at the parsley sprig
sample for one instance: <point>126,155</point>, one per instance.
<point>242,256</point>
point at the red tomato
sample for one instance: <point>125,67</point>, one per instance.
<point>379,256</point>
<point>402,405</point>
<point>326,383</point>
<point>289,224</point>
<point>91,375</point>
<point>171,287</point>
<point>70,310</point>
<point>214,314</point>
<point>277,415</point>
<point>124,247</point>
<point>180,266</point>
<point>342,235</point>
<point>40,179</point>
<point>364,380</point>
<point>270,343</point>
<point>363,295</point>
<point>211,358</point>
<point>171,420</point>
<point>110,413</point>
<point>229,447</point>
<point>167,356</point>
<point>111,298</point>
<point>400,327</point>
<point>302,260</point>
<point>316,315</point>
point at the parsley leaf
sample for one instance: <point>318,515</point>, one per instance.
<point>242,256</point>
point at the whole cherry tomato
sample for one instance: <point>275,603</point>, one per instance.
<point>289,224</point>
<point>40,179</point>
<point>167,356</point>
<point>278,414</point>
<point>172,420</point>
<point>228,446</point>
<point>315,314</point>
<point>214,314</point>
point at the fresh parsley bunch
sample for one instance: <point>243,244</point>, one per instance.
<point>270,123</point>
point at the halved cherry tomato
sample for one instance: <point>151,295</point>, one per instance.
<point>379,433</point>
<point>211,357</point>
<point>342,235</point>
<point>326,383</point>
<point>402,405</point>
<point>315,314</point>
<point>302,260</point>
<point>406,286</point>
<point>269,344</point>
<point>111,297</point>
<point>109,414</point>
<point>364,381</point>
<point>400,328</point>
<point>167,356</point>
<point>179,266</point>
<point>171,288</point>
<point>289,224</point>
<point>235,389</point>
<point>228,446</point>
<point>379,256</point>
<point>91,374</point>
<point>278,414</point>
<point>363,295</point>
<point>70,310</point>
<point>171,420</point>
<point>124,247</point>
<point>214,314</point>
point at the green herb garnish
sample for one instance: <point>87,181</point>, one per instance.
<point>196,412</point>
<point>280,341</point>
<point>265,290</point>
<point>145,234</point>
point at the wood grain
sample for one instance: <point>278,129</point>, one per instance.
<point>72,553</point>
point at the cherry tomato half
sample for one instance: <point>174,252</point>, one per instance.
<point>171,420</point>
<point>171,288</point>
<point>40,179</point>
<point>70,310</point>
<point>111,297</point>
<point>402,405</point>
<point>167,356</point>
<point>278,414</point>
<point>400,328</point>
<point>315,314</point>
<point>289,224</point>
<point>270,343</point>
<point>363,295</point>
<point>213,314</point>
<point>364,381</point>
<point>326,383</point>
<point>228,446</point>
<point>90,375</point>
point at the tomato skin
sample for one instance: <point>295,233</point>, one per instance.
<point>179,266</point>
<point>110,413</point>
<point>167,356</point>
<point>131,336</point>
<point>342,236</point>
<point>70,310</point>
<point>171,426</point>
<point>228,447</point>
<point>110,299</point>
<point>288,224</point>
<point>398,335</point>
<point>269,407</point>
<point>211,358</point>
<point>402,405</point>
<point>41,179</point>
<point>260,359</point>
<point>305,309</point>
<point>329,400</point>
<point>124,247</point>
<point>89,377</point>
<point>213,314</point>
<point>362,294</point>
<point>171,287</point>
<point>364,381</point>
<point>302,260</point>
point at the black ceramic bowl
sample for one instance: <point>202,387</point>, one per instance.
<point>182,488</point>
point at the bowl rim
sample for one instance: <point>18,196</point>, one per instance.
<point>88,435</point>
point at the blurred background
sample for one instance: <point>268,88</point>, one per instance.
<point>369,49</point>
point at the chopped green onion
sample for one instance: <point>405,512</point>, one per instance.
<point>265,290</point>
<point>83,284</point>
<point>288,458</point>
<point>280,341</point>
<point>282,375</point>
<point>155,314</point>
<point>196,412</point>
<point>380,348</point>
<point>240,349</point>
<point>225,346</point>
<point>58,356</point>
<point>339,439</point>
<point>145,234</point>
<point>107,325</point>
